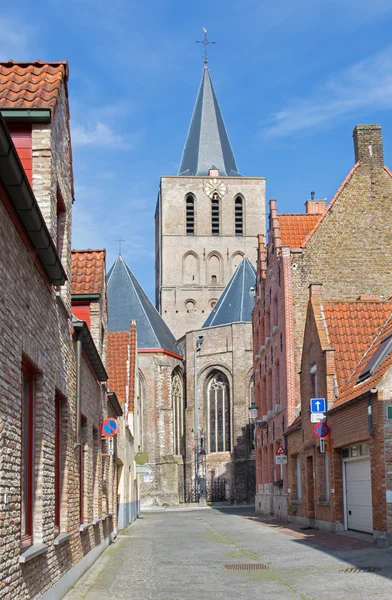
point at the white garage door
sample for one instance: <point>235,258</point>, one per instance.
<point>359,495</point>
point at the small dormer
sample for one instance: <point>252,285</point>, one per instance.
<point>34,104</point>
<point>89,301</point>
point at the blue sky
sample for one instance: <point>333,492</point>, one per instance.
<point>292,79</point>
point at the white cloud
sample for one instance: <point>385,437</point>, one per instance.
<point>364,85</point>
<point>100,135</point>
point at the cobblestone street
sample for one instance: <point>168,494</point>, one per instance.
<point>175,555</point>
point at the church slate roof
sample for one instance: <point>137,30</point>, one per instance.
<point>237,300</point>
<point>127,301</point>
<point>207,145</point>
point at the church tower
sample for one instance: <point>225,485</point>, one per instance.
<point>207,219</point>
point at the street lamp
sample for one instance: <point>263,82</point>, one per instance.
<point>253,412</point>
<point>203,469</point>
<point>199,342</point>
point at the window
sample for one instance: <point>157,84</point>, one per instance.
<point>60,223</point>
<point>239,217</point>
<point>313,375</point>
<point>215,214</point>
<point>381,352</point>
<point>178,418</point>
<point>58,457</point>
<point>219,413</point>
<point>190,215</point>
<point>214,279</point>
<point>298,476</point>
<point>83,476</point>
<point>27,479</point>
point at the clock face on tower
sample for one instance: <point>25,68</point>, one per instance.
<point>215,186</point>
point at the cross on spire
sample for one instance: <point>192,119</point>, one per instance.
<point>205,42</point>
<point>119,244</point>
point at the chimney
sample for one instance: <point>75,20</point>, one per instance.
<point>368,145</point>
<point>315,207</point>
<point>315,290</point>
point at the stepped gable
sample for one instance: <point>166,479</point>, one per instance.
<point>127,301</point>
<point>207,145</point>
<point>32,84</point>
<point>88,271</point>
<point>237,300</point>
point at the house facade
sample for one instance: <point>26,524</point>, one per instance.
<point>341,250</point>
<point>343,482</point>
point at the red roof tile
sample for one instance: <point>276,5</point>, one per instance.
<point>352,389</point>
<point>295,228</point>
<point>88,271</point>
<point>31,85</point>
<point>351,326</point>
<point>121,364</point>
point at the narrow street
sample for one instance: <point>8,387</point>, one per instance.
<point>175,555</point>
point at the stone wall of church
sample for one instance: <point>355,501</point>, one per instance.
<point>227,351</point>
<point>193,270</point>
<point>156,371</point>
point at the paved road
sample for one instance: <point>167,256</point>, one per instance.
<point>184,556</point>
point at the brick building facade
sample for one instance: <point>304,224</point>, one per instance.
<point>348,486</point>
<point>339,248</point>
<point>58,483</point>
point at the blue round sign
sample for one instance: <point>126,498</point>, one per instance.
<point>321,430</point>
<point>109,427</point>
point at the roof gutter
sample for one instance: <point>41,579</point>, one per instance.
<point>114,403</point>
<point>22,198</point>
<point>34,115</point>
<point>90,349</point>
<point>85,296</point>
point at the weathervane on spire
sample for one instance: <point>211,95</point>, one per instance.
<point>205,42</point>
<point>119,244</point>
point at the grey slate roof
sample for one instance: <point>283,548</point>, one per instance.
<point>237,300</point>
<point>126,301</point>
<point>207,145</point>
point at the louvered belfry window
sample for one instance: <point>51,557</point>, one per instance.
<point>219,414</point>
<point>190,215</point>
<point>215,214</point>
<point>239,216</point>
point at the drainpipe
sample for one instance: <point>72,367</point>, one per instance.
<point>369,412</point>
<point>78,385</point>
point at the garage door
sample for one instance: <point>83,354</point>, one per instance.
<point>359,496</point>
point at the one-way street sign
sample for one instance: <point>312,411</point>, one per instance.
<point>317,405</point>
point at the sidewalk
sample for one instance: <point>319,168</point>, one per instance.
<point>316,537</point>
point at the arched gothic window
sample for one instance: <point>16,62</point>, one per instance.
<point>178,412</point>
<point>215,214</point>
<point>218,409</point>
<point>239,216</point>
<point>190,215</point>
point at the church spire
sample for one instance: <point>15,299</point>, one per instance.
<point>207,145</point>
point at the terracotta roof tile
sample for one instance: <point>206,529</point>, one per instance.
<point>88,271</point>
<point>351,326</point>
<point>31,85</point>
<point>121,364</point>
<point>295,228</point>
<point>352,389</point>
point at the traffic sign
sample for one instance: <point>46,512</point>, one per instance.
<point>317,405</point>
<point>317,417</point>
<point>280,451</point>
<point>321,430</point>
<point>109,427</point>
<point>281,459</point>
<point>144,469</point>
